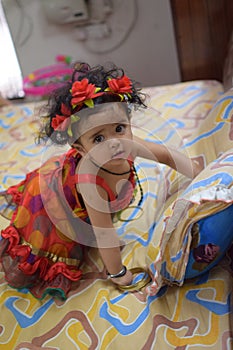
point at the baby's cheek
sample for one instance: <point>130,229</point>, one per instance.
<point>101,153</point>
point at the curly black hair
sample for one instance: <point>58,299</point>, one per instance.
<point>97,75</point>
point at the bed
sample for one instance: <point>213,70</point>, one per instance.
<point>188,314</point>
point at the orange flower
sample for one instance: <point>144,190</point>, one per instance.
<point>82,91</point>
<point>120,85</point>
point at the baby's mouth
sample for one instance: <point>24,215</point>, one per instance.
<point>119,154</point>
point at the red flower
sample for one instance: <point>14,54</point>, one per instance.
<point>61,122</point>
<point>65,110</point>
<point>82,91</point>
<point>120,85</point>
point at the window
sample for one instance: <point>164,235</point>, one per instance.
<point>11,80</point>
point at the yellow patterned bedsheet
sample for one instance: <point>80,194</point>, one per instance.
<point>96,315</point>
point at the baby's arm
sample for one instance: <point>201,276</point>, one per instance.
<point>96,203</point>
<point>171,157</point>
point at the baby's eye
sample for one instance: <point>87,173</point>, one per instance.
<point>98,139</point>
<point>120,128</point>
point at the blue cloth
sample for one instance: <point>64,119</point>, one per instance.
<point>211,242</point>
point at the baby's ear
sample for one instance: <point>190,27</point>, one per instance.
<point>79,147</point>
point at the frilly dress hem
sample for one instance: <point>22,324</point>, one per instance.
<point>40,275</point>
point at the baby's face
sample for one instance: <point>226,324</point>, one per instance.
<point>106,134</point>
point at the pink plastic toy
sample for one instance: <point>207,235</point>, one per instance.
<point>42,81</point>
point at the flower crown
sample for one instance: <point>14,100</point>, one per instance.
<point>83,93</point>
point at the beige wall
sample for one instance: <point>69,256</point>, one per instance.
<point>149,53</point>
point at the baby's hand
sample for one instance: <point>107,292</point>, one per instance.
<point>124,280</point>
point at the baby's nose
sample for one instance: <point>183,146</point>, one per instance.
<point>114,143</point>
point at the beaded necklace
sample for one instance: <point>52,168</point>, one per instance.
<point>140,186</point>
<point>132,168</point>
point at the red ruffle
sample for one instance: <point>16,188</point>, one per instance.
<point>20,251</point>
<point>16,196</point>
<point>47,269</point>
<point>41,265</point>
<point>62,268</point>
<point>11,234</point>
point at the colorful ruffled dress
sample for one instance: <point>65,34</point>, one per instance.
<point>42,248</point>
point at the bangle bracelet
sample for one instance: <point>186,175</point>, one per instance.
<point>134,287</point>
<point>119,274</point>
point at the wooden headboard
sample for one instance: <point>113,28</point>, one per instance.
<point>202,29</point>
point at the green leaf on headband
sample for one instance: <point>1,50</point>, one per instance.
<point>69,131</point>
<point>73,119</point>
<point>121,96</point>
<point>89,103</point>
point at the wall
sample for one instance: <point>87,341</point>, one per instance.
<point>203,29</point>
<point>149,53</point>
